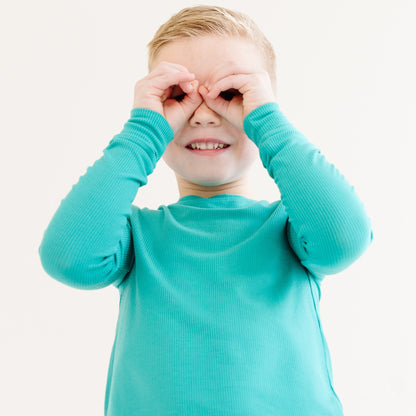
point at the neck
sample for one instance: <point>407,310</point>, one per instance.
<point>237,187</point>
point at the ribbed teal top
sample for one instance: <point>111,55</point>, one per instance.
<point>219,296</point>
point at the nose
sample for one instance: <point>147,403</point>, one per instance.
<point>204,116</point>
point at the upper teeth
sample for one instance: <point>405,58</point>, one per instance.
<point>204,145</point>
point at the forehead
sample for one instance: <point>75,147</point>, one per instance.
<point>201,55</point>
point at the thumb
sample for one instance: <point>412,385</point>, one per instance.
<point>217,104</point>
<point>192,99</point>
<point>230,110</point>
<point>178,112</point>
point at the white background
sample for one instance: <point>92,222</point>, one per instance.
<point>345,79</point>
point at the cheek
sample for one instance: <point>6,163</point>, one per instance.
<point>173,155</point>
<point>249,151</point>
<point>169,153</point>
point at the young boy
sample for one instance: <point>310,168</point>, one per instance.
<point>219,293</point>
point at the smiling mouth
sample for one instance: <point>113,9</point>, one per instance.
<point>204,147</point>
<point>208,151</point>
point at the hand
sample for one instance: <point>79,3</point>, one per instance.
<point>251,89</point>
<point>154,92</point>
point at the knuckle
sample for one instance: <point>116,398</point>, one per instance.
<point>138,84</point>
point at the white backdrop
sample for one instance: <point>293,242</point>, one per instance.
<point>345,79</point>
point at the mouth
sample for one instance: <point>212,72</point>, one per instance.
<point>208,148</point>
<point>208,152</point>
<point>210,145</point>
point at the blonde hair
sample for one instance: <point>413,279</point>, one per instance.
<point>204,20</point>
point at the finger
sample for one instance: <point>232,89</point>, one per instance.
<point>193,95</point>
<point>166,64</point>
<point>237,82</point>
<point>164,68</point>
<point>164,84</point>
<point>226,69</point>
<point>189,103</point>
<point>169,79</point>
<point>230,110</point>
<point>217,104</point>
<point>187,87</point>
<point>166,94</point>
<point>203,90</point>
<point>167,76</point>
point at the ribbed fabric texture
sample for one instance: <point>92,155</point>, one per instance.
<point>219,297</point>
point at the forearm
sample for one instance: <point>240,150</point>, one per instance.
<point>88,241</point>
<point>328,226</point>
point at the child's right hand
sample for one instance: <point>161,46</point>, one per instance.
<point>154,92</point>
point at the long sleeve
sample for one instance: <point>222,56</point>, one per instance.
<point>88,242</point>
<point>327,227</point>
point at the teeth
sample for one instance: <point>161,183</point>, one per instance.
<point>204,146</point>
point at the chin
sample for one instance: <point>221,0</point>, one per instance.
<point>207,182</point>
<point>202,181</point>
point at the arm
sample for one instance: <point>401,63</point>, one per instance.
<point>327,227</point>
<point>88,243</point>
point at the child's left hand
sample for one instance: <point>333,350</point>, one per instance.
<point>252,89</point>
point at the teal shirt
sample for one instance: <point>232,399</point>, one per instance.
<point>219,297</point>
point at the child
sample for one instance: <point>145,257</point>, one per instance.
<point>219,293</point>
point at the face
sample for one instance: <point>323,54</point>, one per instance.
<point>193,169</point>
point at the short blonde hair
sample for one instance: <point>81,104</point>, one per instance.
<point>204,20</point>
